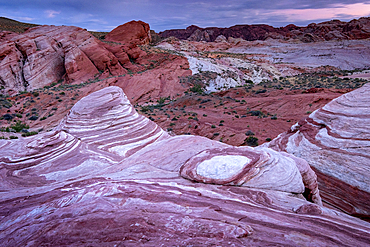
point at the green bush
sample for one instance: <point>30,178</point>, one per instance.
<point>13,137</point>
<point>29,133</point>
<point>197,88</point>
<point>19,126</point>
<point>251,141</point>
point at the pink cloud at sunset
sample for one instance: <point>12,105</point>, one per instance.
<point>336,11</point>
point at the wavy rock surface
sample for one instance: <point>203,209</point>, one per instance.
<point>335,141</point>
<point>107,175</point>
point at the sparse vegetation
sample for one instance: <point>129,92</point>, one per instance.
<point>251,141</point>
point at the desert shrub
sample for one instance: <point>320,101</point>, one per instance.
<point>13,137</point>
<point>249,133</point>
<point>33,117</point>
<point>268,139</point>
<point>7,117</point>
<point>261,91</point>
<point>161,100</point>
<point>213,126</point>
<point>29,133</point>
<point>197,88</point>
<point>19,126</point>
<point>256,113</point>
<point>36,94</point>
<point>251,141</point>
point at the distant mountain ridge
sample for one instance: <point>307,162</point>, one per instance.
<point>7,24</point>
<point>329,30</point>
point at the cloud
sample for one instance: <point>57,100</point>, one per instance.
<point>334,12</point>
<point>24,18</point>
<point>51,13</point>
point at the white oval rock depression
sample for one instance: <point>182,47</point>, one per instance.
<point>222,167</point>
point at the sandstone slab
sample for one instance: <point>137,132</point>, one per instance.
<point>107,175</point>
<point>335,141</point>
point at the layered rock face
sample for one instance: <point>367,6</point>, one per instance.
<point>107,175</point>
<point>335,141</point>
<point>331,30</point>
<point>47,54</point>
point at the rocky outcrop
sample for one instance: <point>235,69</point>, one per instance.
<point>335,141</point>
<point>130,35</point>
<point>47,54</point>
<point>108,175</point>
<point>134,32</point>
<point>330,30</point>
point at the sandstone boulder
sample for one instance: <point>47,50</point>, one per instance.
<point>134,32</point>
<point>335,141</point>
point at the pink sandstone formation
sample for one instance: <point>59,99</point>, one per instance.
<point>335,141</point>
<point>109,176</point>
<point>47,54</point>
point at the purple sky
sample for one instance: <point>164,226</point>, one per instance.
<point>104,15</point>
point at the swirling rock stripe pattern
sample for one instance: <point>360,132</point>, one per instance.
<point>335,140</point>
<point>66,187</point>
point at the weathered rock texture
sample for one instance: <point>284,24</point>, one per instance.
<point>47,54</point>
<point>107,175</point>
<point>335,141</point>
<point>330,30</point>
<point>71,55</point>
<point>134,32</point>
